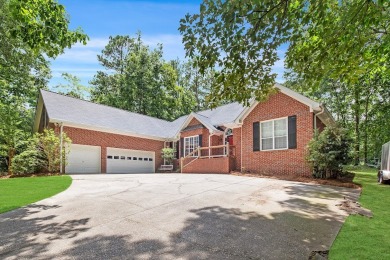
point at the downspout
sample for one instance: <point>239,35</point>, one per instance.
<point>241,149</point>
<point>315,117</point>
<point>61,129</point>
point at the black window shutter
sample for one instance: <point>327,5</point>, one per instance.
<point>181,147</point>
<point>256,136</point>
<point>177,150</point>
<point>292,132</point>
<point>200,140</point>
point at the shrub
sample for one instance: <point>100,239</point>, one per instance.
<point>49,144</point>
<point>168,154</point>
<point>328,152</point>
<point>42,154</point>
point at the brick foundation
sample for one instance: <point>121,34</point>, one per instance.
<point>209,165</point>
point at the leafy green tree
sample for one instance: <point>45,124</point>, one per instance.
<point>329,39</point>
<point>73,88</point>
<point>198,85</point>
<point>138,79</point>
<point>361,108</point>
<point>13,130</point>
<point>328,152</point>
<point>30,31</point>
<point>49,144</point>
<point>31,159</point>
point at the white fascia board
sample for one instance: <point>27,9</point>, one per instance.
<point>232,125</point>
<point>211,128</point>
<point>299,97</point>
<point>107,130</point>
<point>184,124</point>
<point>246,111</point>
<point>313,105</point>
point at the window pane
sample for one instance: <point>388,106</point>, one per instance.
<point>280,127</point>
<point>266,129</point>
<point>280,142</point>
<point>190,144</point>
<point>266,144</point>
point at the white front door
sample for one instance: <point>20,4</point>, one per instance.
<point>129,161</point>
<point>83,159</point>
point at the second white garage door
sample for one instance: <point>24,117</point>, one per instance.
<point>129,161</point>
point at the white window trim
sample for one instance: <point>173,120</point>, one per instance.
<point>273,135</point>
<point>184,143</point>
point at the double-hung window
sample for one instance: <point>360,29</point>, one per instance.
<point>274,134</point>
<point>190,144</point>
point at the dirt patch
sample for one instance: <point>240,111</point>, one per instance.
<point>319,255</point>
<point>354,208</point>
<point>344,181</point>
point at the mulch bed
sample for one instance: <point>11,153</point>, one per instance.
<point>345,181</point>
<point>28,175</point>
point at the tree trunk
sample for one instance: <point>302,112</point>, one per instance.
<point>197,92</point>
<point>357,126</point>
<point>366,128</point>
<point>11,154</point>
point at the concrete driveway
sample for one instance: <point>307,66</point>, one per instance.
<point>176,216</point>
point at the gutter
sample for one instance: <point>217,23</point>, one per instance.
<point>317,114</point>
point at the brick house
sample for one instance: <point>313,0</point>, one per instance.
<point>267,137</point>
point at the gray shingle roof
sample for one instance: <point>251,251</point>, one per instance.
<point>72,110</point>
<point>223,114</point>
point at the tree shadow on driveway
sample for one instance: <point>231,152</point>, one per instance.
<point>24,235</point>
<point>302,220</point>
<point>220,233</point>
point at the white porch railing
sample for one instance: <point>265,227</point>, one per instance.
<point>207,152</point>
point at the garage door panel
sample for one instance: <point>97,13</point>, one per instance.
<point>129,161</point>
<point>83,159</point>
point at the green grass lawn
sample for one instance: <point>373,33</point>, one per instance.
<point>18,192</point>
<point>361,237</point>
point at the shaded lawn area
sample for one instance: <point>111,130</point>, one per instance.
<point>361,237</point>
<point>18,192</point>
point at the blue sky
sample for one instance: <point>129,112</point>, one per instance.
<point>158,22</point>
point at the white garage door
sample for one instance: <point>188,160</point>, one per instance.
<point>83,159</point>
<point>129,161</point>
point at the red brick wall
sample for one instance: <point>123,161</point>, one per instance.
<point>290,161</point>
<point>89,137</point>
<point>209,165</point>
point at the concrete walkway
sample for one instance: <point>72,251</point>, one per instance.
<point>176,216</point>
